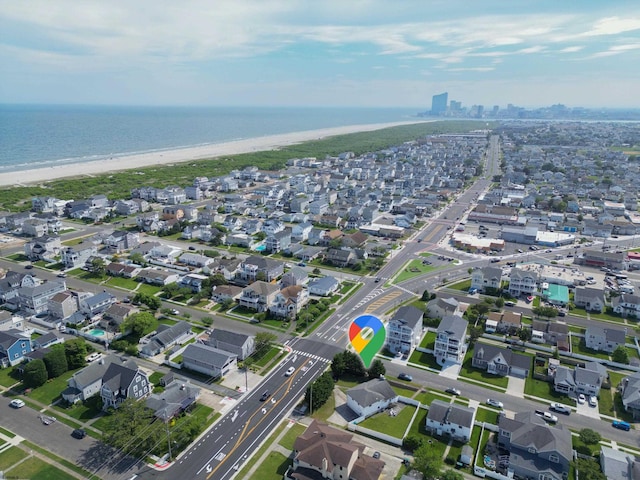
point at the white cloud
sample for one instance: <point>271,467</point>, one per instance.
<point>614,26</point>
<point>572,49</point>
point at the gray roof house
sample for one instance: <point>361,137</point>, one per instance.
<point>167,337</point>
<point>122,381</point>
<point>259,295</point>
<point>87,382</point>
<point>450,340</point>
<point>591,299</point>
<point>404,329</point>
<point>451,419</point>
<point>208,360</point>
<point>618,465</point>
<point>604,339</point>
<point>630,387</point>
<point>176,398</point>
<point>324,286</point>
<point>239,344</point>
<point>97,303</point>
<point>500,361</point>
<point>586,380</point>
<point>441,307</point>
<point>371,397</point>
<point>535,448</point>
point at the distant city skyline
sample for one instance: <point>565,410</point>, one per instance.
<point>367,53</point>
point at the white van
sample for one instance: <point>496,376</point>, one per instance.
<point>627,289</point>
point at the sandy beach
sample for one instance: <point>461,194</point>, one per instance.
<point>129,162</point>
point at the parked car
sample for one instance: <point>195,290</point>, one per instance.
<point>175,312</point>
<point>192,248</point>
<point>581,399</point>
<point>495,403</point>
<point>28,267</point>
<point>376,455</point>
<point>93,357</point>
<point>289,371</point>
<point>16,403</point>
<point>62,275</point>
<point>453,391</point>
<point>593,401</point>
<point>79,433</point>
<point>547,417</point>
<point>621,425</point>
<point>265,395</point>
<point>509,304</point>
<point>560,408</point>
<point>405,376</point>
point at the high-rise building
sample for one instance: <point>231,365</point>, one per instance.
<point>439,104</point>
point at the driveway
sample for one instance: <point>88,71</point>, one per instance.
<point>451,371</point>
<point>587,411</point>
<point>515,386</point>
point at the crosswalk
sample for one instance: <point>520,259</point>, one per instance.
<point>311,356</point>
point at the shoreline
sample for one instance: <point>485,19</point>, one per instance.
<point>166,157</point>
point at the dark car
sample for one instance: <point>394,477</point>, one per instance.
<point>79,433</point>
<point>192,248</point>
<point>28,267</point>
<point>405,376</point>
<point>376,454</point>
<point>264,396</point>
<point>452,391</point>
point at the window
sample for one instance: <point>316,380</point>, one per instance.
<point>554,458</point>
<point>531,450</point>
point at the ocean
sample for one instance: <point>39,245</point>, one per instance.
<point>36,136</point>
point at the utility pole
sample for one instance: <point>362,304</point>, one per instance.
<point>166,424</point>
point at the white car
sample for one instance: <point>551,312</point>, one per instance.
<point>289,372</point>
<point>16,403</point>
<point>560,408</point>
<point>593,401</point>
<point>494,403</point>
<point>581,399</point>
<point>94,356</point>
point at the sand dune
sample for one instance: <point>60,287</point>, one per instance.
<point>129,162</point>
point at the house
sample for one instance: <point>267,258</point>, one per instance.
<point>340,257</point>
<point>176,398</point>
<point>501,361</point>
<point>509,322</point>
<point>278,241</point>
<point>450,419</point>
<point>97,303</point>
<point>404,329</point>
<point>208,360</point>
<point>14,345</point>
<point>117,313</point>
<point>630,390</point>
<point>604,339</point>
<point>289,301</point>
<point>591,299</point>
<point>121,382</point>
<point>324,286</point>
<point>73,257</point>
<point>487,277</point>
<point>450,340</point>
<point>371,397</point>
<point>329,453</point>
<point>616,464</point>
<point>46,340</point>
<point>87,382</point>
<point>255,267</point>
<point>35,300</point>
<point>586,380</point>
<point>192,281</point>
<point>523,282</point>
<point>536,449</point>
<point>161,278</point>
<point>239,344</point>
<point>295,276</point>
<point>166,337</point>
<point>220,293</point>
<point>63,304</point>
<point>258,296</point>
<point>196,260</point>
<point>441,307</point>
<point>45,248</point>
<point>626,305</point>
<point>121,240</point>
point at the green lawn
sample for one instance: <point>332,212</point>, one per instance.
<point>463,286</point>
<point>600,316</point>
<point>50,391</point>
<point>578,346</point>
<point>542,389</point>
<point>395,426</point>
<point>605,402</point>
<point>155,377</point>
<point>487,416</point>
<point>404,392</point>
<point>6,433</point>
<point>100,423</point>
<point>429,340</point>
<point>273,467</point>
<point>8,377</point>
<point>486,436</point>
<point>267,356</point>
<point>480,375</point>
<point>426,359</point>
<point>10,457</point>
<point>80,411</point>
<point>124,283</point>
<point>413,269</point>
<point>36,469</point>
<point>293,432</point>
<point>326,410</point>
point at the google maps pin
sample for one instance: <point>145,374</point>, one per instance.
<point>367,335</point>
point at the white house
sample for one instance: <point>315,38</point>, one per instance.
<point>451,419</point>
<point>404,329</point>
<point>371,397</point>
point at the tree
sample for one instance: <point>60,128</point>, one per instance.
<point>319,392</point>
<point>499,302</point>
<point>97,267</point>
<point>56,361</point>
<point>76,353</point>
<point>376,369</point>
<point>316,271</point>
<point>412,442</point>
<point>130,428</point>
<point>149,300</point>
<point>338,365</point>
<point>590,437</point>
<point>353,364</point>
<point>138,259</point>
<point>139,324</point>
<point>425,296</point>
<point>620,354</point>
<point>226,303</point>
<point>589,470</point>
<point>451,475</point>
<point>524,334</point>
<point>35,374</point>
<point>263,342</point>
<point>427,460</point>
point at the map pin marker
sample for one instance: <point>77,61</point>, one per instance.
<point>367,335</point>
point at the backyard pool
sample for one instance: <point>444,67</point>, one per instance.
<point>96,332</point>
<point>261,248</point>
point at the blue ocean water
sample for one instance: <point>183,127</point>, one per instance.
<point>35,136</point>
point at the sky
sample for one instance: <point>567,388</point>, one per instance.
<point>361,53</point>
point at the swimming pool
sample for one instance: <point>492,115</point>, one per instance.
<point>261,248</point>
<point>96,332</point>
